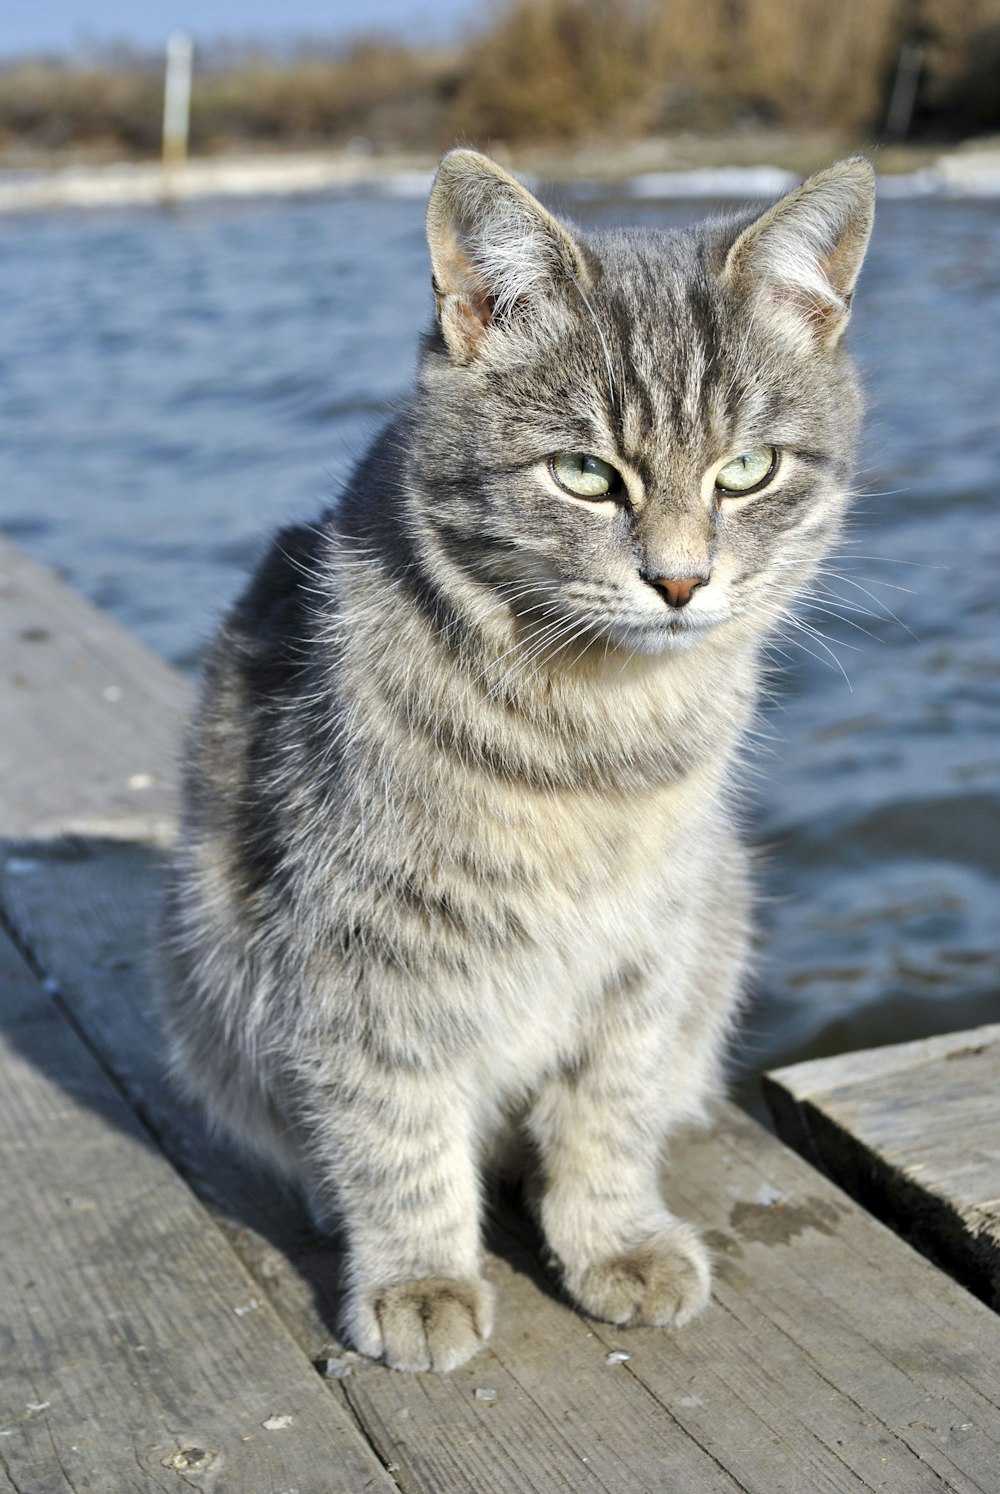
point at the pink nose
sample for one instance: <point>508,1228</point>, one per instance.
<point>677,592</point>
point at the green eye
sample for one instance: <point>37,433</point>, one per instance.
<point>585,476</point>
<point>749,471</point>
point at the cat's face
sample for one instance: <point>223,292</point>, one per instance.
<point>644,437</point>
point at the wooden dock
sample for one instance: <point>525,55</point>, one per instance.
<point>169,1318</point>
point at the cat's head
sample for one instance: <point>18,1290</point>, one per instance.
<point>647,435</point>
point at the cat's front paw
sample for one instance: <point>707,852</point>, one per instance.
<point>432,1324</point>
<point>663,1281</point>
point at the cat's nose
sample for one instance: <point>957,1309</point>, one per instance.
<point>677,592</point>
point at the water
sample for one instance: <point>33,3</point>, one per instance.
<point>172,386</point>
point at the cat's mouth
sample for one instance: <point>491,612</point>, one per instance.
<point>676,631</point>
<point>682,630</point>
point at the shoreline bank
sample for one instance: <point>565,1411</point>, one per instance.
<point>648,168</point>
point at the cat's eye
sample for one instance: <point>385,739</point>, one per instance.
<point>585,476</point>
<point>747,472</point>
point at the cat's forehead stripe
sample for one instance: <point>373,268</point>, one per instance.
<point>663,324</point>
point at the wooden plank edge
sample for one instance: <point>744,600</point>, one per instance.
<point>956,1242</point>
<point>818,1076</point>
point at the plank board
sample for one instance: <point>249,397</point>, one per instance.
<point>137,1354</point>
<point>80,702</point>
<point>832,1357</point>
<point>913,1132</point>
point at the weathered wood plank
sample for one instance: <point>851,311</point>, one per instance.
<point>80,702</point>
<point>917,1356</point>
<point>832,1358</point>
<point>136,1354</point>
<point>821,1075</point>
<point>913,1132</point>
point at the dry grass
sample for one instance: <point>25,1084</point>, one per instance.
<point>377,90</point>
<point>549,71</point>
<point>552,69</point>
<point>563,70</point>
<point>962,51</point>
<point>53,108</point>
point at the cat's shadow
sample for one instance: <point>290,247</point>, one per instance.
<point>101,980</point>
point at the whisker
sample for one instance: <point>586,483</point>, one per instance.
<point>814,606</point>
<point>835,664</point>
<point>849,581</point>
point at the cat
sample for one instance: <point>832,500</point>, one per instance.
<point>458,861</point>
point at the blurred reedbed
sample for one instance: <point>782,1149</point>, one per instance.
<point>538,71</point>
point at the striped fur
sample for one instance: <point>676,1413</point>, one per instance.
<point>458,865</point>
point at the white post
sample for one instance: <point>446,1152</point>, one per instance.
<point>177,98</point>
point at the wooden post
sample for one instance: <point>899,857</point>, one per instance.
<point>904,90</point>
<point>177,98</point>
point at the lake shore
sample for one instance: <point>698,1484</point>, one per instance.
<point>749,164</point>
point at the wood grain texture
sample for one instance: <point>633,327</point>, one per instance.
<point>913,1132</point>
<point>81,703</point>
<point>137,1351</point>
<point>832,1357</point>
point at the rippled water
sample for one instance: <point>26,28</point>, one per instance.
<point>172,385</point>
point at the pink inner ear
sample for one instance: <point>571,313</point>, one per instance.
<point>841,266</point>
<point>462,283</point>
<point>813,307</point>
<point>483,304</point>
<point>824,315</point>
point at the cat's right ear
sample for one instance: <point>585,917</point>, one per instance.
<point>495,251</point>
<point>802,257</point>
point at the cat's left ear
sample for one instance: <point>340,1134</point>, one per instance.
<point>803,256</point>
<point>495,251</point>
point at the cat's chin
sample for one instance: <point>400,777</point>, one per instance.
<point>676,642</point>
<point>669,638</point>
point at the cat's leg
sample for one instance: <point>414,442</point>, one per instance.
<point>599,1128</point>
<point>649,1063</point>
<point>392,1154</point>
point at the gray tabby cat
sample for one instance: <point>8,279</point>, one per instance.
<point>458,862</point>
